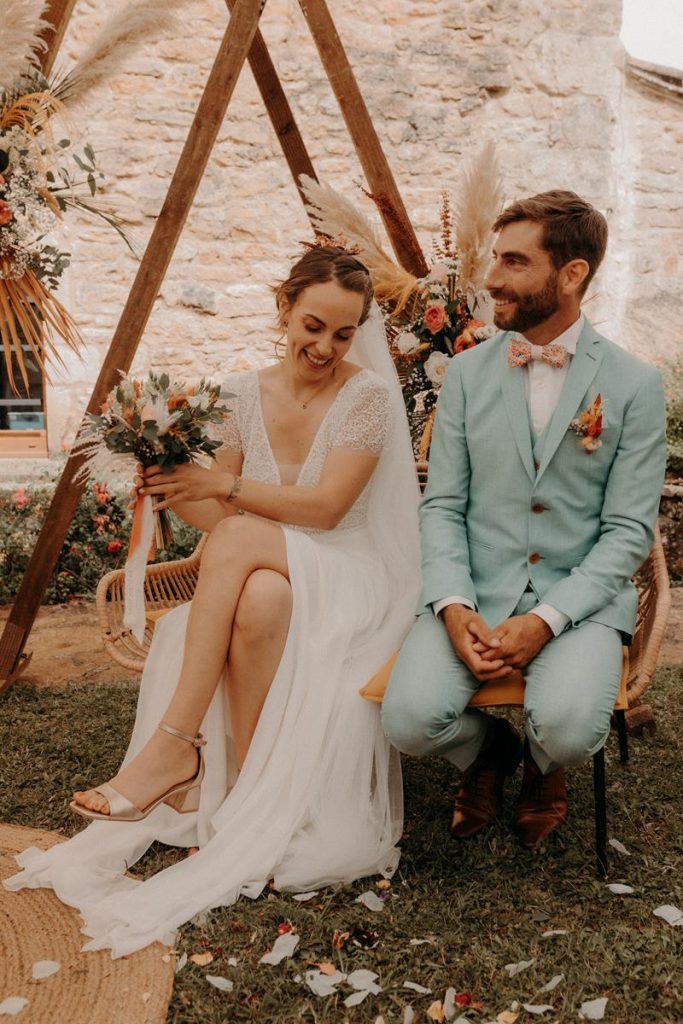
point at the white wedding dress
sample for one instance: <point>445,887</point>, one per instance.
<point>318,799</point>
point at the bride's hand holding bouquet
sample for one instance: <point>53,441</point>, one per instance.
<point>160,425</point>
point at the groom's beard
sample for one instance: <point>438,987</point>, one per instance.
<point>529,310</point>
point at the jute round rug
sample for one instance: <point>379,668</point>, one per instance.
<point>88,988</point>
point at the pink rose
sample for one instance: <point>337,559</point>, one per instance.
<point>114,546</point>
<point>21,498</point>
<point>434,318</point>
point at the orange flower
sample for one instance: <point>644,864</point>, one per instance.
<point>114,546</point>
<point>6,214</point>
<point>463,342</point>
<point>175,401</point>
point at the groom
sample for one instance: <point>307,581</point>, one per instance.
<point>545,472</point>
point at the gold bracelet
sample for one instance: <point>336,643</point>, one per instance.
<point>235,489</point>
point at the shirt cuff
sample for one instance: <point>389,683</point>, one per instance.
<point>557,621</point>
<point>438,606</point>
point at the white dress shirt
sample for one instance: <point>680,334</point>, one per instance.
<point>543,385</point>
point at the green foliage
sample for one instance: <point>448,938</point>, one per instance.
<point>96,543</point>
<point>672,375</point>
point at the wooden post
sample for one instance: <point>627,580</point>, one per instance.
<point>279,110</point>
<point>362,131</point>
<point>57,14</point>
<point>163,240</point>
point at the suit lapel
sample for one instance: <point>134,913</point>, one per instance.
<point>584,366</point>
<point>514,399</point>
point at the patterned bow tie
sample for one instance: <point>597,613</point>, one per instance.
<point>520,352</point>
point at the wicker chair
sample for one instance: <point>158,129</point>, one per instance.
<point>167,585</point>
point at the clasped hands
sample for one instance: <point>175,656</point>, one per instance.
<point>188,482</point>
<point>494,653</point>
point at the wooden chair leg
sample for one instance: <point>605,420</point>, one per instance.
<point>600,812</point>
<point>623,735</point>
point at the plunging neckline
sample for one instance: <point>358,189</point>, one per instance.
<point>322,423</point>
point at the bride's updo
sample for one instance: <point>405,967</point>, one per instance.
<point>319,264</point>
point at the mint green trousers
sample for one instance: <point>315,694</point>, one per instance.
<point>571,686</point>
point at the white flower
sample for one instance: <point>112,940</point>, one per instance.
<point>484,333</point>
<point>435,368</point>
<point>157,410</point>
<point>407,342</point>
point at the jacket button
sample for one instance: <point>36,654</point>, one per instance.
<point>537,466</point>
<point>538,507</point>
<point>534,557</point>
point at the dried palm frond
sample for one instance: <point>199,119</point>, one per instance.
<point>334,215</point>
<point>20,42</point>
<point>29,111</point>
<point>478,204</point>
<point>30,316</point>
<point>140,22</point>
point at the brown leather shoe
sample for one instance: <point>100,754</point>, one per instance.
<point>542,803</point>
<point>478,802</point>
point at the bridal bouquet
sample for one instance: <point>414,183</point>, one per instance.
<point>431,318</point>
<point>155,422</point>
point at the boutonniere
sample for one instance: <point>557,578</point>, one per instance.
<point>588,425</point>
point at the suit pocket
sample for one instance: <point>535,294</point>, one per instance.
<point>480,544</point>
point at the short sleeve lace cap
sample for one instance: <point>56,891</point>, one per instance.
<point>364,416</point>
<point>228,432</point>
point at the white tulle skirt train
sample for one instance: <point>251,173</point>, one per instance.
<point>318,799</point>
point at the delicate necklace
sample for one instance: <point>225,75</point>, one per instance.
<point>314,395</point>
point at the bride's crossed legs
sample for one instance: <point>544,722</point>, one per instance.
<point>240,612</point>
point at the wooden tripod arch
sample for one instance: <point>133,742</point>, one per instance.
<point>242,41</point>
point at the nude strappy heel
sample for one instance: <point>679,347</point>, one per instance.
<point>183,797</point>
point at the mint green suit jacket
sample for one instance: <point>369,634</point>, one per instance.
<point>595,512</point>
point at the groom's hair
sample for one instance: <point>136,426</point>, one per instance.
<point>572,228</point>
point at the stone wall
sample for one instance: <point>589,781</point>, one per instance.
<point>546,81</point>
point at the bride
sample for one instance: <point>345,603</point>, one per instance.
<point>251,740</point>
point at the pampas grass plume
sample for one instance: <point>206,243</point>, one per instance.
<point>20,41</point>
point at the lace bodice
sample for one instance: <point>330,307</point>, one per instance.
<point>359,418</point>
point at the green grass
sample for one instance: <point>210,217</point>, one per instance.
<point>482,904</point>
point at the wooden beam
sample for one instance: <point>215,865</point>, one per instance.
<point>163,240</point>
<point>58,13</point>
<point>279,111</point>
<point>362,132</point>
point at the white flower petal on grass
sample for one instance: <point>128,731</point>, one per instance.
<point>408,1015</point>
<point>323,984</point>
<point>356,997</point>
<point>283,947</point>
<point>554,931</point>
<point>417,988</point>
<point>224,984</point>
<point>363,981</point>
<point>370,900</point>
<point>420,942</point>
<point>13,1005</point>
<point>553,983</point>
<point>537,1009</point>
<point>593,1009</point>
<point>44,969</point>
<point>670,914</point>
<point>232,961</point>
<point>620,890</point>
<point>181,963</point>
<point>619,847</point>
<point>449,1003</point>
<point>303,897</point>
<point>514,969</point>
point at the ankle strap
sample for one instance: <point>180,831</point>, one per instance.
<point>196,741</point>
